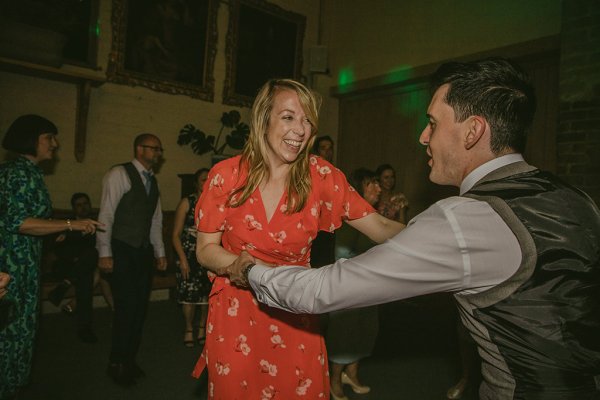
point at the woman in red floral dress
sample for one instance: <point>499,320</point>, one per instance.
<point>271,213</point>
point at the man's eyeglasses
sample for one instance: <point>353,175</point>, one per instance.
<point>155,148</point>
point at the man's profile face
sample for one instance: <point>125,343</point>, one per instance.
<point>325,150</point>
<point>443,137</point>
<point>82,207</point>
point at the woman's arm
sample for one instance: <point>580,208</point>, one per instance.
<point>180,213</point>
<point>376,227</point>
<point>211,255</point>
<point>40,227</point>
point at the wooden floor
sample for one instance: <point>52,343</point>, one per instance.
<point>415,357</point>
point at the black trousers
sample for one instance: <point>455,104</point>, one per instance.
<point>131,284</point>
<point>84,288</point>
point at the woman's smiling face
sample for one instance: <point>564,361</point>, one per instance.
<point>289,129</point>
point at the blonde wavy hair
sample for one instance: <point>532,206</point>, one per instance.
<point>254,155</point>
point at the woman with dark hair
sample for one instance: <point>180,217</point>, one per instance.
<point>193,285</point>
<point>351,334</point>
<point>392,205</point>
<point>269,203</point>
<point>25,209</point>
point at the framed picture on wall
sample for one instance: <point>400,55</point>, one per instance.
<point>264,41</point>
<point>165,45</point>
<point>50,32</point>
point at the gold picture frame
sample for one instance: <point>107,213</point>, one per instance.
<point>167,46</point>
<point>264,41</point>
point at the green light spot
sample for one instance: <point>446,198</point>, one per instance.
<point>346,79</point>
<point>398,74</point>
<point>97,30</point>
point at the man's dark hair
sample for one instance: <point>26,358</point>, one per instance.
<point>495,89</point>
<point>77,196</point>
<point>360,176</point>
<point>23,134</point>
<point>324,138</point>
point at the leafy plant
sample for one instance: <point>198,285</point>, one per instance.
<point>202,143</point>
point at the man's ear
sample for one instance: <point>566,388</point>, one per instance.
<point>476,126</point>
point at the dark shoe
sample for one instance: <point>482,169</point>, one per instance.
<point>120,375</point>
<point>86,335</point>
<point>137,372</point>
<point>56,295</point>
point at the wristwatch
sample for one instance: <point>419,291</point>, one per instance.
<point>245,273</point>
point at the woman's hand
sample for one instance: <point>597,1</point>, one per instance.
<point>87,226</point>
<point>185,269</point>
<point>236,269</point>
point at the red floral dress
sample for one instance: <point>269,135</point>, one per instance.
<point>253,351</point>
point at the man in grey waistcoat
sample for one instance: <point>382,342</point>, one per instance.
<point>131,241</point>
<point>519,248</point>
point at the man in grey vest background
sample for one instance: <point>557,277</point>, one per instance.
<point>519,247</point>
<point>132,239</point>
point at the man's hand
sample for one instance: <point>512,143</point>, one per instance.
<point>235,270</point>
<point>4,279</point>
<point>161,263</point>
<point>105,264</point>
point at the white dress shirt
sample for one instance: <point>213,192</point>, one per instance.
<point>114,185</point>
<point>458,244</point>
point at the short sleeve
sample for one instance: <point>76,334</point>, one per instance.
<point>338,200</point>
<point>211,211</point>
<point>15,193</point>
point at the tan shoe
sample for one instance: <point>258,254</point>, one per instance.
<point>334,397</point>
<point>457,391</point>
<point>357,388</point>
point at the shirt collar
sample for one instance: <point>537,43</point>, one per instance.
<point>484,169</point>
<point>138,165</point>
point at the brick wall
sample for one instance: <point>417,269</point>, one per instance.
<point>579,116</point>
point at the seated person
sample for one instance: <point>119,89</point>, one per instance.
<point>76,263</point>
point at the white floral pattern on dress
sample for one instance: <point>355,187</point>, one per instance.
<point>268,393</point>
<point>222,369</point>
<point>216,182</point>
<point>268,368</point>
<point>240,332</point>
<point>234,305</point>
<point>241,345</point>
<point>252,223</point>
<point>278,237</point>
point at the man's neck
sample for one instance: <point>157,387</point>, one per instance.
<point>147,166</point>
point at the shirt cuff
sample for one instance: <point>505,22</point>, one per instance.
<point>254,277</point>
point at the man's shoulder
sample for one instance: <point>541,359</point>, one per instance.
<point>455,205</point>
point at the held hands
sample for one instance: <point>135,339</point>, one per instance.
<point>236,269</point>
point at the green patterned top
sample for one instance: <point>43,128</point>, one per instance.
<point>23,194</point>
